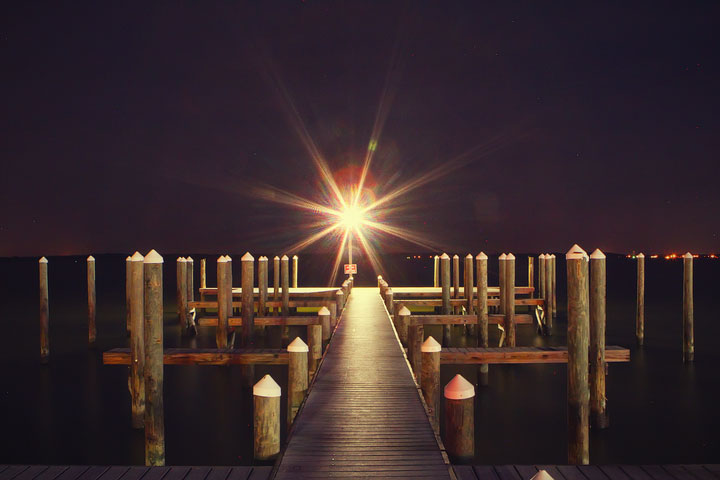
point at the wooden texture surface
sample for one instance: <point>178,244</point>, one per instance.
<point>588,472</point>
<point>522,355</point>
<point>363,386</point>
<point>206,356</point>
<point>86,472</point>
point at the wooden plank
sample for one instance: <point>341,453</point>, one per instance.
<point>552,470</point>
<point>526,471</point>
<point>425,292</point>
<point>52,472</point>
<point>135,473</point>
<point>260,473</point>
<point>219,473</point>
<point>93,473</point>
<point>656,472</point>
<point>523,355</point>
<point>485,472</point>
<point>204,356</point>
<point>198,473</point>
<point>678,472</point>
<point>12,471</point>
<point>699,472</point>
<point>507,472</point>
<point>73,472</point>
<point>614,472</point>
<point>520,319</point>
<point>635,472</point>
<point>310,292</point>
<point>261,321</point>
<point>114,473</point>
<point>31,472</point>
<point>464,472</point>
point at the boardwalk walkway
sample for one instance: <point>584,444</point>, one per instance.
<point>363,416</point>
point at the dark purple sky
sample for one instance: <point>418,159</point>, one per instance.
<point>136,126</point>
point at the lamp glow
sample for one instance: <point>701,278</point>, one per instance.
<point>352,216</point>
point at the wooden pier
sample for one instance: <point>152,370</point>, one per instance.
<point>364,416</point>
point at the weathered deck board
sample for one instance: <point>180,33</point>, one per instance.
<point>206,356</point>
<point>522,355</point>
<point>587,472</point>
<point>363,386</point>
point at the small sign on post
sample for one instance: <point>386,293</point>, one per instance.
<point>350,268</point>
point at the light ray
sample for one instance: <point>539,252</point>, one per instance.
<point>273,194</point>
<point>402,233</point>
<point>312,238</point>
<point>370,252</point>
<point>338,258</point>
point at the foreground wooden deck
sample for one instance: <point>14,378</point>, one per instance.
<point>363,416</point>
<point>86,472</point>
<point>590,472</point>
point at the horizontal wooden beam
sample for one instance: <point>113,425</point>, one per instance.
<point>520,319</point>
<point>206,356</point>
<point>300,292</point>
<point>264,321</point>
<point>268,304</point>
<point>522,355</point>
<point>436,292</point>
<point>492,302</point>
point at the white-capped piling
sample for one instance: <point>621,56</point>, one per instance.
<point>297,376</point>
<point>221,331</point>
<point>402,321</point>
<point>295,271</point>
<point>415,335</point>
<point>326,327</point>
<point>430,377</point>
<point>501,281</point>
<point>389,299</point>
<point>92,299</point>
<point>688,310</point>
<point>541,279</point>
<point>445,284</point>
<point>44,311</point>
<point>578,335</point>
<point>248,304</point>
<point>190,282</point>
<point>468,291</point>
<point>456,281</point>
<point>262,285</point>
<point>459,435</point>
<point>315,338</point>
<point>640,300</point>
<point>203,273</point>
<point>127,294</point>
<point>598,301</point>
<point>339,303</point>
<point>436,271</point>
<point>510,299</point>
<point>481,261</point>
<point>182,293</point>
<point>548,293</point>
<point>276,282</point>
<point>137,341</point>
<point>531,275</point>
<point>153,313</point>
<point>266,419</point>
<point>553,288</point>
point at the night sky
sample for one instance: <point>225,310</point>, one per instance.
<point>134,126</point>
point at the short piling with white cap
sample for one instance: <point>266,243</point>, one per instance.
<point>415,334</point>
<point>153,316</point>
<point>510,299</point>
<point>445,284</point>
<point>181,293</point>
<point>266,419</point>
<point>468,292</point>
<point>640,301</point>
<point>297,376</point>
<point>221,331</point>
<point>459,435</point>
<point>456,281</point>
<point>44,311</point>
<point>325,325</point>
<point>688,309</point>
<point>285,283</point>
<point>403,321</point>
<point>276,282</point>
<point>127,293</point>
<point>295,271</point>
<point>248,304</point>
<point>92,299</point>
<point>430,377</point>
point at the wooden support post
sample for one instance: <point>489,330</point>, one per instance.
<point>203,273</point>
<point>379,284</point>
<point>221,331</point>
<point>456,281</point>
<point>339,302</point>
<point>92,300</point>
<point>127,294</point>
<point>541,277</point>
<point>266,419</point>
<point>510,299</point>
<point>297,376</point>
<point>482,312</point>
<point>403,325</point>
<point>316,334</point>
<point>333,316</point>
<point>182,293</point>
<point>436,271</point>
<point>295,271</point>
<point>262,285</point>
<point>531,274</point>
<point>326,327</point>
<point>548,294</point>
<point>501,282</point>
<point>469,285</point>
<point>445,284</point>
<point>640,303</point>
<point>190,282</point>
<point>389,299</point>
<point>276,282</point>
<point>229,296</point>
<point>44,311</point>
<point>285,280</point>
<point>459,435</point>
<point>415,335</point>
<point>554,285</point>
<point>430,378</point>
<point>248,304</point>
<point>137,341</point>
<point>153,316</point>
<point>598,301</point>
<point>688,310</point>
<point>578,339</point>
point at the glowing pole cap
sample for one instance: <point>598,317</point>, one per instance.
<point>687,256</point>
<point>91,258</point>
<point>297,345</point>
<point>323,311</point>
<point>153,257</point>
<point>542,475</point>
<point>597,254</point>
<point>576,253</point>
<point>266,387</point>
<point>430,345</point>
<point>459,389</point>
<point>137,257</point>
<point>43,260</point>
<point>247,257</point>
<point>481,256</point>
<point>404,312</point>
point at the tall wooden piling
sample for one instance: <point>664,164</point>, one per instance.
<point>127,294</point>
<point>548,294</point>
<point>501,281</point>
<point>182,293</point>
<point>295,271</point>
<point>510,299</point>
<point>221,331</point>
<point>640,301</point>
<point>297,376</point>
<point>445,284</point>
<point>459,435</point>
<point>326,327</point>
<point>598,301</point>
<point>553,284</point>
<point>339,303</point>
<point>333,315</point>
<point>203,273</point>
<point>456,281</point>
<point>153,320</point>
<point>190,282</point>
<point>402,323</point>
<point>276,282</point>
<point>262,285</point>
<point>481,261</point>
<point>266,419</point>
<point>436,271</point>
<point>248,304</point>
<point>578,343</point>
<point>541,280</point>
<point>137,341</point>
<point>688,310</point>
<point>430,378</point>
<point>389,299</point>
<point>229,296</point>
<point>44,311</point>
<point>531,274</point>
<point>92,299</point>
<point>285,279</point>
<point>468,289</point>
<point>415,335</point>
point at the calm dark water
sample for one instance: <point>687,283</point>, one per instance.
<point>75,410</point>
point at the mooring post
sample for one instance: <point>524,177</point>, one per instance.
<point>229,286</point>
<point>182,293</point>
<point>456,281</point>
<point>339,303</point>
<point>554,284</point>
<point>276,283</point>
<point>598,301</point>
<point>266,419</point>
<point>578,343</point>
<point>326,326</point>
<point>531,275</point>
<point>317,337</point>
<point>459,435</point>
<point>510,299</point>
<point>468,291</point>
<point>501,283</point>
<point>430,378</point>
<point>688,310</point>
<point>389,299</point>
<point>92,299</point>
<point>295,271</point>
<point>297,376</point>
<point>640,303</point>
<point>333,316</point>
<point>285,284</point>
<point>137,341</point>
<point>127,294</point>
<point>190,282</point>
<point>153,316</point>
<point>415,335</point>
<point>403,321</point>
<point>248,304</point>
<point>548,293</point>
<point>221,331</point>
<point>482,312</point>
<point>203,274</point>
<point>436,271</point>
<point>541,280</point>
<point>262,285</point>
<point>445,284</point>
<point>44,311</point>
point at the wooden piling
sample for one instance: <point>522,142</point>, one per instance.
<point>92,299</point>
<point>389,299</point>
<point>127,294</point>
<point>531,274</point>
<point>262,285</point>
<point>456,281</point>
<point>548,294</point>
<point>248,304</point>
<point>553,288</point>
<point>541,282</point>
<point>326,327</point>
<point>297,376</point>
<point>430,378</point>
<point>445,284</point>
<point>182,293</point>
<point>402,322</point>
<point>276,282</point>
<point>317,336</point>
<point>266,419</point>
<point>190,282</point>
<point>203,273</point>
<point>468,291</point>
<point>436,271</point>
<point>137,341</point>
<point>578,343</point>
<point>340,303</point>
<point>415,335</point>
<point>598,302</point>
<point>481,261</point>
<point>153,323</point>
<point>501,282</point>
<point>459,435</point>
<point>44,311</point>
<point>688,310</point>
<point>295,271</point>
<point>640,301</point>
<point>221,331</point>
<point>510,299</point>
<point>333,316</point>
